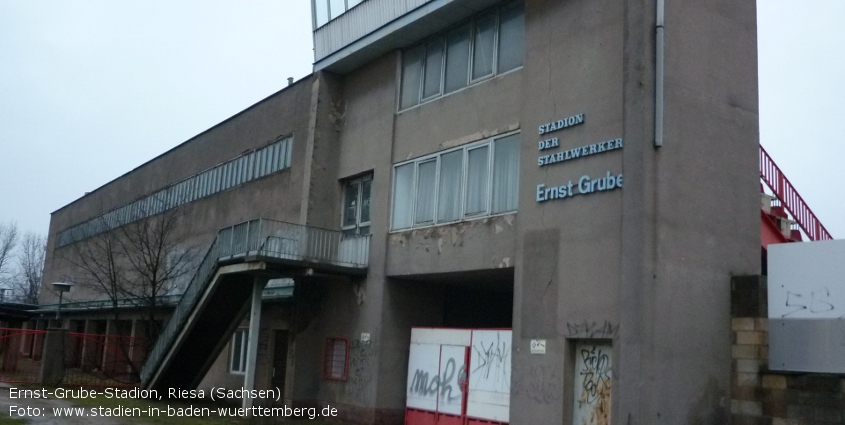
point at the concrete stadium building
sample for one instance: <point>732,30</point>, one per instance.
<point>584,173</point>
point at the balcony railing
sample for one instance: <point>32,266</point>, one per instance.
<point>263,238</point>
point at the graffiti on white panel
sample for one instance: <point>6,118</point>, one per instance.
<point>491,361</point>
<point>443,385</point>
<point>593,382</point>
<point>804,303</point>
<point>807,280</point>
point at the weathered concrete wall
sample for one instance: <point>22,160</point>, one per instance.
<point>275,196</point>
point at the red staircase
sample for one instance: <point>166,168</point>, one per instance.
<point>790,200</point>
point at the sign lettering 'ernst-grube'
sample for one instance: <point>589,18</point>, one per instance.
<point>586,184</point>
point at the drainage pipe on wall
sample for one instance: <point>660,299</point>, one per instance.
<point>658,76</point>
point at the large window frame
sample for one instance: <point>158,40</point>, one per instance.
<point>440,45</point>
<point>411,218</point>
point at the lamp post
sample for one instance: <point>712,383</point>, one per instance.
<point>61,288</point>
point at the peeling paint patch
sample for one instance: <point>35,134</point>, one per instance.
<point>505,263</point>
<point>499,229</point>
<point>478,136</point>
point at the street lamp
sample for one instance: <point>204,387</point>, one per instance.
<point>61,288</point>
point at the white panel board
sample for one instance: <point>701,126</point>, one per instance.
<point>441,336</point>
<point>592,383</point>
<point>423,367</point>
<point>452,370</point>
<point>490,375</point>
<point>807,345</point>
<point>807,280</point>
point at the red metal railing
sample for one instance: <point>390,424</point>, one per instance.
<point>794,203</point>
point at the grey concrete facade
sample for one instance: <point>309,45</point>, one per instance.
<point>645,268</point>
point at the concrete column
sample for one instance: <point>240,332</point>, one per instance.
<point>52,369</point>
<point>252,339</point>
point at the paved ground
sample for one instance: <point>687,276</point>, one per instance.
<point>46,406</point>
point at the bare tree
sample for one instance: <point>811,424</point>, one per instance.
<point>158,259</point>
<point>135,264</point>
<point>30,270</point>
<point>97,265</point>
<point>8,241</point>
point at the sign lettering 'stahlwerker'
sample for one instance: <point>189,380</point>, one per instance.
<point>579,152</point>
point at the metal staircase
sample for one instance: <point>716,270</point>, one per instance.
<point>214,302</point>
<point>790,199</point>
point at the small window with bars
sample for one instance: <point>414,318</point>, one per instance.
<point>336,361</point>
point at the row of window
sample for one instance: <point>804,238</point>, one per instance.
<point>326,10</point>
<point>487,45</point>
<point>463,183</point>
<point>254,165</point>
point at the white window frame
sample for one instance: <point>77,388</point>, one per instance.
<point>242,349</point>
<point>359,203</point>
<point>328,3</point>
<point>496,13</point>
<point>490,143</point>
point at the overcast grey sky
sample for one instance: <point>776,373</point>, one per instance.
<point>90,89</point>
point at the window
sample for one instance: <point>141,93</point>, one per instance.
<point>356,206</point>
<point>472,181</point>
<point>335,362</point>
<point>326,10</point>
<point>245,168</point>
<point>490,44</point>
<point>237,357</point>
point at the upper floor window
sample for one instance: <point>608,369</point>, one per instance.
<point>326,10</point>
<point>356,205</point>
<point>487,45</point>
<point>472,181</point>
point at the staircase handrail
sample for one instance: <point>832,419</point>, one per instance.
<point>255,236</point>
<point>791,200</point>
<point>186,304</point>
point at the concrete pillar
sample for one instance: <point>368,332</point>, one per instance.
<point>252,339</point>
<point>52,369</point>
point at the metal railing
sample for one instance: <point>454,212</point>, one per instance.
<point>791,200</point>
<point>196,287</point>
<point>268,238</point>
<point>161,300</point>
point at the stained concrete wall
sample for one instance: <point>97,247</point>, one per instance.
<point>275,196</point>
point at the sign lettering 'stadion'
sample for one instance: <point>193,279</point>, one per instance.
<point>561,124</point>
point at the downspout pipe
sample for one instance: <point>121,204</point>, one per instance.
<point>658,74</point>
